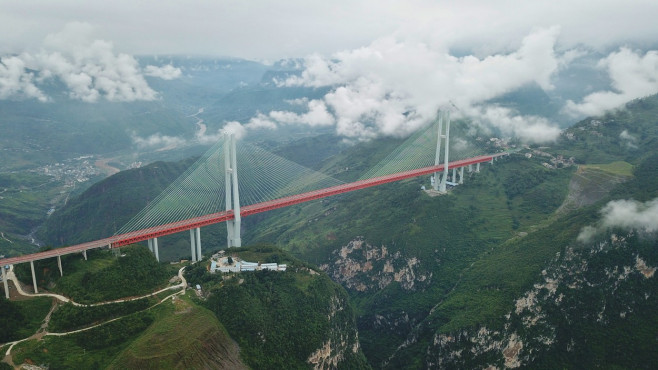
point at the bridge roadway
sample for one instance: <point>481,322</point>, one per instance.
<point>192,223</point>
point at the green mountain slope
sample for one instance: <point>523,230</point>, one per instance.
<point>588,306</point>
<point>430,276</point>
<point>106,206</point>
<point>187,336</point>
<point>418,267</point>
<point>283,320</point>
<point>69,128</point>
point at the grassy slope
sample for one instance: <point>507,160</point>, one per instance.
<point>94,348</point>
<point>184,336</point>
<point>179,335</point>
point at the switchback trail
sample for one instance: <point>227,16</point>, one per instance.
<point>11,276</point>
<point>42,331</point>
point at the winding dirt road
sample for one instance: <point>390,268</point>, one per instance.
<point>42,331</point>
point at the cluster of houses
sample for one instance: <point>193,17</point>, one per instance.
<point>234,264</point>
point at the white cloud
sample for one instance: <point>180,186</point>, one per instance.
<point>204,138</point>
<point>89,68</point>
<point>292,28</point>
<point>234,128</point>
<point>626,136</point>
<point>633,76</point>
<point>626,214</point>
<point>394,86</point>
<point>317,115</point>
<point>15,81</point>
<point>157,141</point>
<point>530,129</point>
<point>631,214</point>
<point>260,121</point>
<point>631,140</point>
<point>167,72</point>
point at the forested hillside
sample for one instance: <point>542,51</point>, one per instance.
<point>283,319</point>
<point>106,206</point>
<point>480,276</point>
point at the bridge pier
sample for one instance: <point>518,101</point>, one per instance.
<point>461,175</point>
<point>454,175</point>
<point>470,168</point>
<point>150,244</point>
<point>84,253</point>
<point>477,168</point>
<point>199,256</point>
<point>34,278</point>
<point>4,281</point>
<point>193,245</point>
<point>155,249</point>
<point>59,264</point>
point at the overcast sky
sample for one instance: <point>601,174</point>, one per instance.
<point>390,64</point>
<point>265,29</point>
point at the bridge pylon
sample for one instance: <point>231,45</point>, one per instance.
<point>440,185</point>
<point>232,192</point>
<point>4,281</point>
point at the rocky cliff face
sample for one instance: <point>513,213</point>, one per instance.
<point>342,341</point>
<point>363,267</point>
<point>580,313</point>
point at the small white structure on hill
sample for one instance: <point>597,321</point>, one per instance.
<point>237,265</point>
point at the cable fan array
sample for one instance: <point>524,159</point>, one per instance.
<point>200,190</point>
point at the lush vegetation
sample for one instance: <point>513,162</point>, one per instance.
<point>68,317</point>
<point>105,276</point>
<point>106,206</point>
<point>404,219</point>
<point>91,349</point>
<point>11,320</point>
<point>488,289</point>
<point>600,139</point>
<point>479,249</point>
<point>280,318</point>
<point>25,197</point>
<point>611,321</point>
<point>620,168</point>
<point>20,319</point>
<point>135,273</point>
<point>184,336</point>
<point>178,335</point>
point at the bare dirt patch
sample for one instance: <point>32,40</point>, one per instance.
<point>587,186</point>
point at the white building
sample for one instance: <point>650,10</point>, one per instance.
<point>237,265</point>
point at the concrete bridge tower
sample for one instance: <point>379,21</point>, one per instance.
<point>440,185</point>
<point>232,192</point>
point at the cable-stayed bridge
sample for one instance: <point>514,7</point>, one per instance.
<point>209,191</point>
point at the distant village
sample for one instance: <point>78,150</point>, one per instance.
<point>221,263</point>
<point>552,162</point>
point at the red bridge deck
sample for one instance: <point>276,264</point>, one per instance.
<point>192,223</point>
